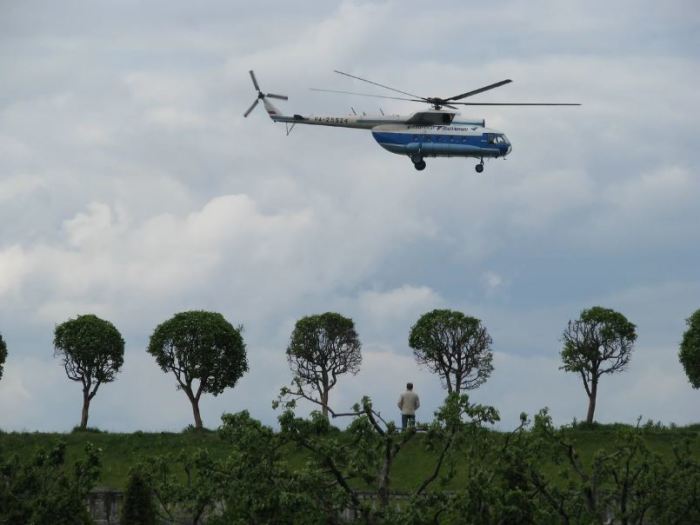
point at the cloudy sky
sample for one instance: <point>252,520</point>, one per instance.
<point>131,187</point>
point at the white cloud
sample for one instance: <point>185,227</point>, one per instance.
<point>15,265</point>
<point>406,302</point>
<point>93,227</point>
<point>159,88</point>
<point>30,395</point>
<point>171,117</point>
<point>655,384</point>
<point>492,280</point>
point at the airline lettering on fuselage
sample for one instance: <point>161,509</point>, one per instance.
<point>440,128</point>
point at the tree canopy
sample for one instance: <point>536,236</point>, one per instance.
<point>321,348</point>
<point>599,342</point>
<point>455,346</point>
<point>689,353</point>
<point>46,487</point>
<point>205,353</point>
<point>3,354</point>
<point>92,351</point>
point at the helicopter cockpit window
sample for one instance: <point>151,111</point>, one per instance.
<point>496,139</point>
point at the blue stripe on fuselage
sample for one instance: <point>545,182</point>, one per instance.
<point>388,137</point>
<point>439,144</point>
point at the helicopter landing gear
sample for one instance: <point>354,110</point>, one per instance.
<point>418,162</point>
<point>479,167</point>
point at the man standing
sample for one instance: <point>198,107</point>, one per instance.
<point>408,404</point>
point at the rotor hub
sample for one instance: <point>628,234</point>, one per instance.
<point>437,103</point>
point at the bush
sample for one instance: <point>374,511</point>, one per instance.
<point>191,429</point>
<point>47,489</point>
<point>139,508</point>
<point>91,430</point>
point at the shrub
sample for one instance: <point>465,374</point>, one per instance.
<point>139,508</point>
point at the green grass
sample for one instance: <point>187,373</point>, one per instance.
<point>120,452</point>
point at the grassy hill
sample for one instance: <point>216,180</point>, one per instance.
<point>120,452</point>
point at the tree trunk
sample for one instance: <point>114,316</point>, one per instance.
<point>384,480</point>
<point>591,402</point>
<point>324,402</point>
<point>195,411</point>
<point>86,408</point>
<point>195,406</point>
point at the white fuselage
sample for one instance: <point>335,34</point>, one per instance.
<point>432,133</point>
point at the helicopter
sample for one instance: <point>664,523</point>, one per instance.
<point>433,132</point>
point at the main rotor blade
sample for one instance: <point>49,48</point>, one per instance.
<point>255,82</point>
<point>365,94</point>
<point>281,97</point>
<point>480,90</point>
<point>514,104</point>
<point>377,84</point>
<point>251,108</point>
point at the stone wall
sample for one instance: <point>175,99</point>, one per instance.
<point>105,506</point>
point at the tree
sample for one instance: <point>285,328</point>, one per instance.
<point>185,485</point>
<point>363,458</point>
<point>92,351</point>
<point>139,507</point>
<point>253,483</point>
<point>454,346</point>
<point>599,342</point>
<point>689,353</point>
<point>3,354</point>
<point>204,352</point>
<point>43,487</point>
<point>259,484</point>
<point>321,348</point>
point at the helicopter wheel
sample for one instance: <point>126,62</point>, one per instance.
<point>479,167</point>
<point>420,165</point>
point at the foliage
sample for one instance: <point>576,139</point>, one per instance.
<point>599,342</point>
<point>182,485</point>
<point>321,348</point>
<point>253,483</point>
<point>45,490</point>
<point>677,496</point>
<point>260,485</point>
<point>455,346</point>
<point>121,453</point>
<point>203,347</point>
<point>537,475</point>
<point>625,483</point>
<point>367,453</point>
<point>689,353</point>
<point>3,354</point>
<point>248,473</point>
<point>91,430</point>
<point>139,507</point>
<point>92,351</point>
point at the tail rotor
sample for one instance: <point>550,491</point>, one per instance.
<point>261,95</point>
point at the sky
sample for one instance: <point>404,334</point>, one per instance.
<point>132,187</point>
